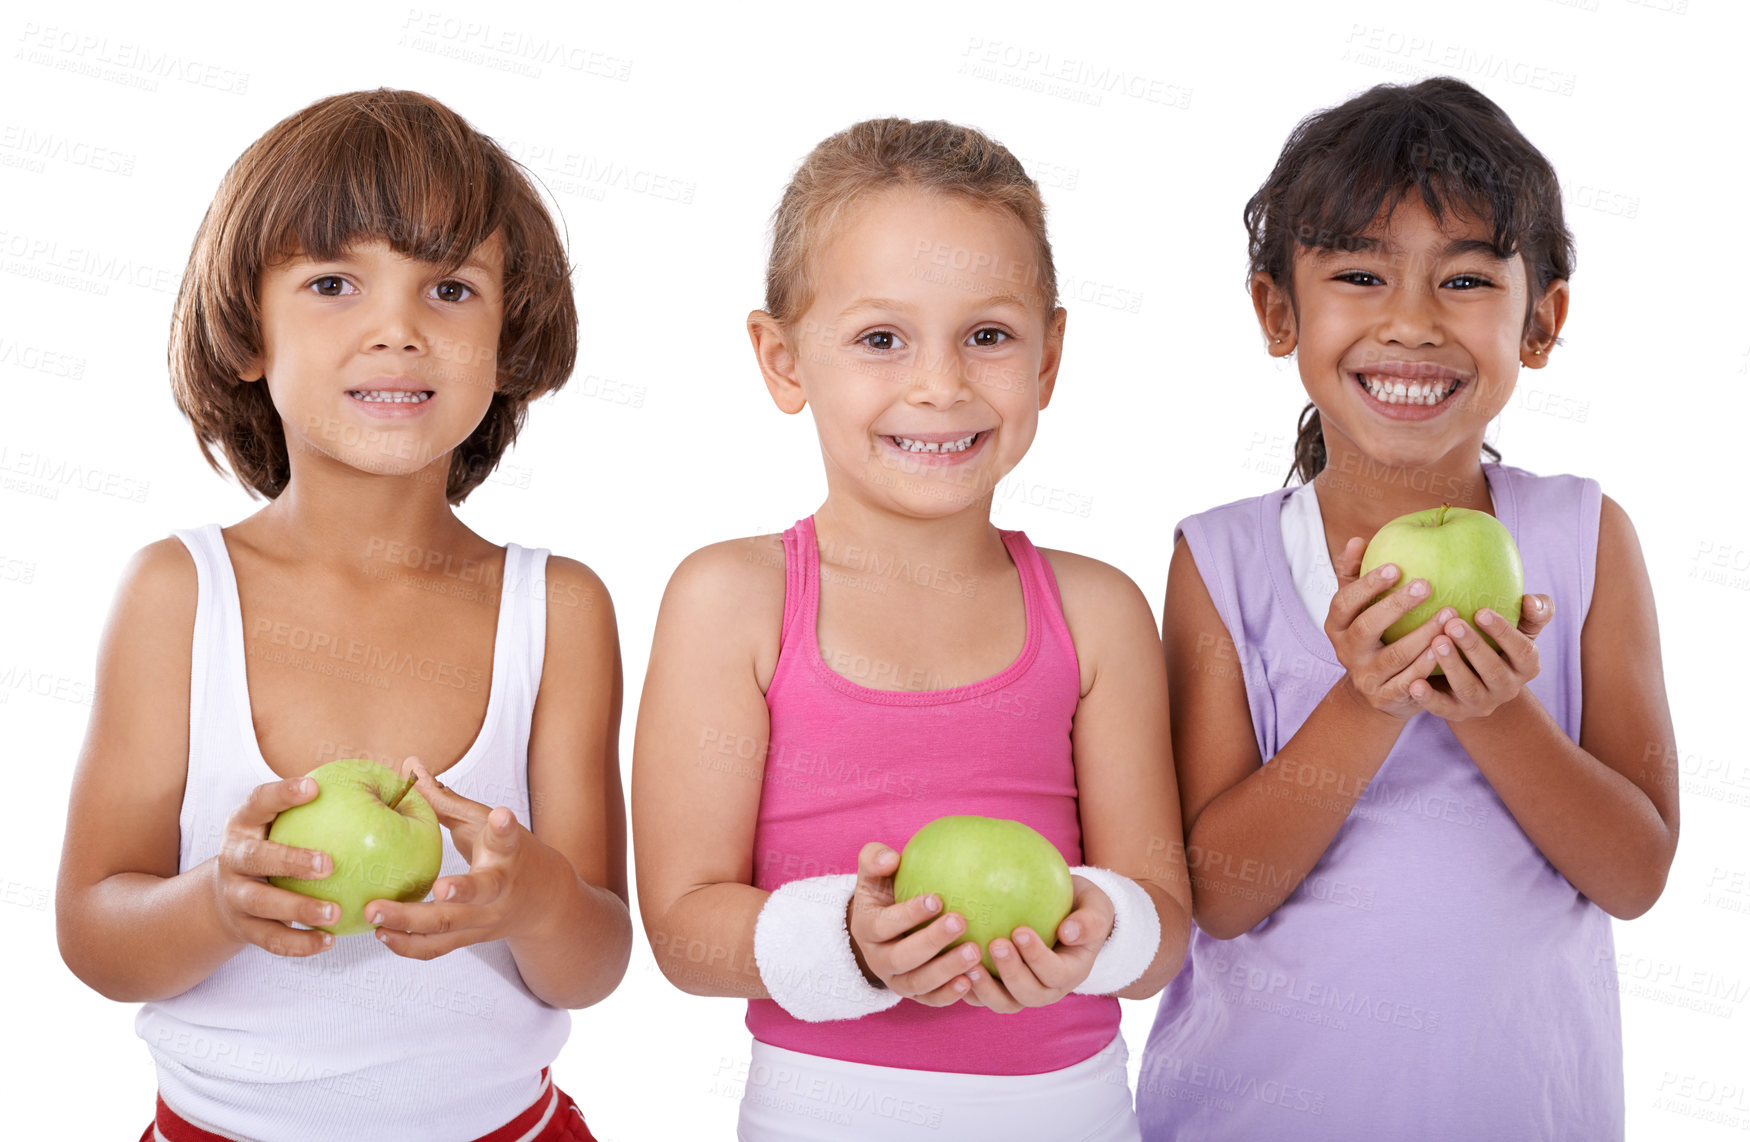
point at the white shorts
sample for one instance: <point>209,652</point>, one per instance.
<point>792,1097</point>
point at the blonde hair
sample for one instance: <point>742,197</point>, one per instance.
<point>880,154</point>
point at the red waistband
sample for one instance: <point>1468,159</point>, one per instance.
<point>552,1114</point>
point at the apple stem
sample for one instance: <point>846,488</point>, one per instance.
<point>1441,521</point>
<point>411,781</point>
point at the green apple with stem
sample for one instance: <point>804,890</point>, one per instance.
<point>998,874</point>
<point>382,836</point>
<point>1468,558</point>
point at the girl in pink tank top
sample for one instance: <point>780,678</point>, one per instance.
<point>813,699</point>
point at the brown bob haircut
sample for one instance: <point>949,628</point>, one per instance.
<point>394,166</point>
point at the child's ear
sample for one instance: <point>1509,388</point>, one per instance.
<point>1275,314</point>
<point>1052,357</point>
<point>1548,316</point>
<point>777,358</point>
<point>252,370</point>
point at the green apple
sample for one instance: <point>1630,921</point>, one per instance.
<point>382,836</point>
<point>1468,558</point>
<point>996,873</point>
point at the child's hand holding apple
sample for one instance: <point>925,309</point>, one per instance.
<point>918,964</point>
<point>250,909</point>
<point>1486,666</point>
<point>1034,974</point>
<point>1462,617</point>
<point>497,898</point>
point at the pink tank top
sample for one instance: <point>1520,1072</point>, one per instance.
<point>847,764</point>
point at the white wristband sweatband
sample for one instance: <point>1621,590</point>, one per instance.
<point>1135,936</point>
<point>803,951</point>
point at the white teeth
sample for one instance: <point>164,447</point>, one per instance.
<point>1408,392</point>
<point>389,396</point>
<point>911,445</point>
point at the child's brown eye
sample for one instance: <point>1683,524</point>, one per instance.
<point>329,285</point>
<point>989,338</point>
<point>880,339</point>
<point>452,291</point>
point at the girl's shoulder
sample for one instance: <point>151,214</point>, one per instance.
<point>746,569</point>
<point>725,602</point>
<point>737,584</point>
<point>1107,614</point>
<point>1086,580</point>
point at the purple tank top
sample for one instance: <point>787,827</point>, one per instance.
<point>847,764</point>
<point>1434,977</point>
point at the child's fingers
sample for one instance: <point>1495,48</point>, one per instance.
<point>874,892</point>
<point>480,885</point>
<point>275,937</point>
<point>890,922</point>
<point>1518,646</point>
<point>936,972</point>
<point>466,888</point>
<point>425,918</point>
<point>1535,612</point>
<point>423,945</point>
<point>1461,675</point>
<point>1489,666</point>
<point>257,900</point>
<point>876,863</point>
<point>503,833</point>
<point>1352,602</point>
<point>454,811</point>
<point>1402,654</point>
<point>989,992</point>
<point>256,856</point>
<point>267,801</point>
<point>1091,915</point>
<point>1086,927</point>
<point>921,947</point>
<point>1348,561</point>
<point>1369,626</point>
<point>1036,975</point>
<point>952,992</point>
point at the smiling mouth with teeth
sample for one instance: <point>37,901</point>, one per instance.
<point>389,396</point>
<point>1395,390</point>
<point>907,444</point>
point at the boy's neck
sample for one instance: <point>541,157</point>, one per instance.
<point>343,517</point>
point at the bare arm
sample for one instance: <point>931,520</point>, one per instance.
<point>1603,810</point>
<point>556,893</point>
<point>698,764</point>
<point>1252,833</point>
<point>1125,786</point>
<point>129,923</point>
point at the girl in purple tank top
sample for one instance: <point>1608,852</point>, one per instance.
<point>815,698</point>
<point>1403,880</point>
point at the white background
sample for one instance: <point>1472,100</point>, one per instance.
<point>666,139</point>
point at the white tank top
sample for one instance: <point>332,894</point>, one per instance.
<point>355,1042</point>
